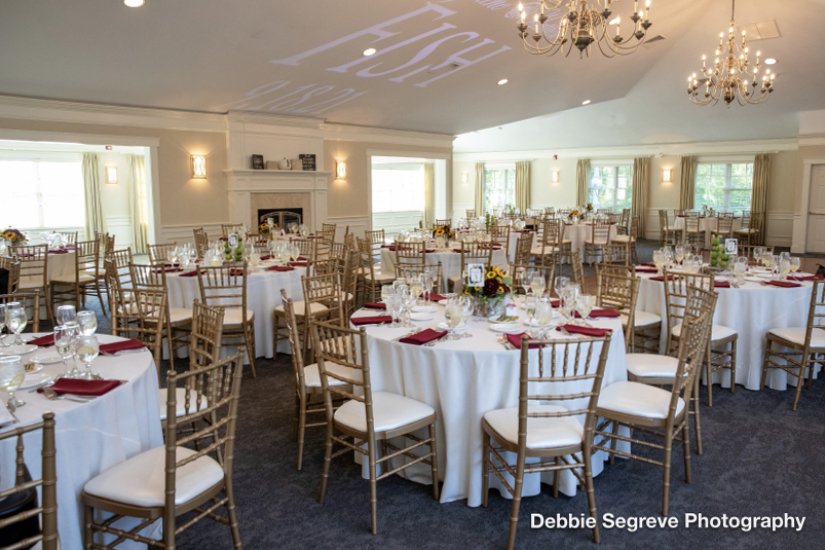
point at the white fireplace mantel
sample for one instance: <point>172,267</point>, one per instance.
<point>243,184</point>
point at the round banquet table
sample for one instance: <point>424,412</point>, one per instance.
<point>61,264</point>
<point>706,224</point>
<point>89,437</point>
<point>751,310</point>
<point>513,243</point>
<point>450,262</point>
<point>578,233</point>
<point>462,380</point>
<point>263,295</point>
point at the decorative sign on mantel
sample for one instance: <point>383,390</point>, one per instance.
<point>308,162</point>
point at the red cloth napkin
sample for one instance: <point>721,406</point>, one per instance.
<point>646,270</point>
<point>594,313</point>
<point>280,268</point>
<point>47,340</point>
<point>236,272</point>
<point>170,270</point>
<point>190,274</point>
<point>392,248</point>
<point>806,277</point>
<point>375,305</point>
<point>648,264</point>
<point>434,297</point>
<point>58,251</point>
<point>126,345</point>
<point>662,278</point>
<point>430,250</point>
<point>358,321</point>
<point>783,284</point>
<point>586,331</point>
<point>267,257</point>
<point>82,387</point>
<point>721,284</point>
<point>297,264</point>
<point>423,337</point>
<point>515,339</point>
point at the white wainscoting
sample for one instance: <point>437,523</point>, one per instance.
<point>460,210</point>
<point>358,225</point>
<point>394,222</point>
<point>779,227</point>
<point>121,228</point>
<point>185,233</point>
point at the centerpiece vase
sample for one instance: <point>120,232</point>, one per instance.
<point>488,309</point>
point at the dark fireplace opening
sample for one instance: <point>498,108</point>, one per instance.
<point>281,217</point>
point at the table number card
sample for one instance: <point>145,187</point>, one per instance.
<point>731,246</point>
<point>475,274</point>
<point>233,240</point>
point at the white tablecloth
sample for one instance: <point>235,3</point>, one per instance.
<point>462,380</point>
<point>578,233</point>
<point>263,295</point>
<point>62,265</point>
<point>752,310</point>
<point>707,225</point>
<point>450,263</point>
<point>90,437</point>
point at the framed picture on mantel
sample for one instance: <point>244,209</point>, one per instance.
<point>257,162</point>
<point>308,162</point>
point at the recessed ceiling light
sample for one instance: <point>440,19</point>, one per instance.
<point>770,61</point>
<point>503,81</point>
<point>369,51</point>
<point>134,3</point>
<point>586,102</point>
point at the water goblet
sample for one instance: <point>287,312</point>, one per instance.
<point>87,349</point>
<point>63,337</point>
<point>467,306</point>
<point>12,374</point>
<point>584,305</point>
<point>394,309</point>
<point>16,320</point>
<point>87,322</point>
<point>66,315</point>
<point>538,284</point>
<point>386,291</point>
<point>559,284</point>
<point>543,315</point>
<point>452,314</point>
<point>795,262</point>
<point>415,288</point>
<point>530,306</point>
<point>2,325</point>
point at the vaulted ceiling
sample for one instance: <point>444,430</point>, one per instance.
<point>436,68</point>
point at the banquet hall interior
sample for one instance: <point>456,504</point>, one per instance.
<point>440,274</point>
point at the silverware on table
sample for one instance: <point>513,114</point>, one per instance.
<point>52,395</point>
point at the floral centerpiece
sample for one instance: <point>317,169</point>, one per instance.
<point>443,231</point>
<point>15,236</point>
<point>263,229</point>
<point>490,296</point>
<point>573,214</point>
<point>588,207</point>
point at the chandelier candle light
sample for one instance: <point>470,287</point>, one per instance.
<point>582,26</point>
<point>728,78</point>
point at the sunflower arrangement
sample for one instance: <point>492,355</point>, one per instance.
<point>14,236</point>
<point>263,229</point>
<point>443,231</point>
<point>572,214</point>
<point>497,286</point>
<point>589,207</point>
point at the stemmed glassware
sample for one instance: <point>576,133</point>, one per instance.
<point>559,284</point>
<point>2,325</point>
<point>87,350</point>
<point>16,320</point>
<point>66,315</point>
<point>12,374</point>
<point>584,305</point>
<point>530,308</point>
<point>87,321</point>
<point>740,268</point>
<point>795,262</point>
<point>452,313</point>
<point>408,301</point>
<point>63,340</point>
<point>394,308</point>
<point>416,286</point>
<point>659,260</point>
<point>538,284</point>
<point>466,312</point>
<point>543,314</point>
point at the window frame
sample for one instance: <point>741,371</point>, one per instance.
<point>509,169</point>
<point>728,162</point>
<point>615,164</point>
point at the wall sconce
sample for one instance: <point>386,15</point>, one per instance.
<point>465,178</point>
<point>198,166</point>
<point>667,175</point>
<point>340,169</point>
<point>111,174</point>
<point>555,176</point>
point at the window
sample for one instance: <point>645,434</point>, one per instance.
<point>499,187</point>
<point>610,187</point>
<point>41,192</point>
<point>724,187</point>
<point>398,190</point>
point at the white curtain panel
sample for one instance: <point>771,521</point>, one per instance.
<point>523,185</point>
<point>95,222</point>
<point>582,175</point>
<point>137,203</point>
<point>479,198</point>
<point>641,177</point>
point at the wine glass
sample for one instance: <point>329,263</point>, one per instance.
<point>559,284</point>
<point>523,276</point>
<point>386,291</point>
<point>466,312</point>
<point>415,287</point>
<point>66,315</point>
<point>2,325</point>
<point>12,374</point>
<point>795,264</point>
<point>785,256</point>
<point>584,305</point>
<point>452,313</point>
<point>740,268</point>
<point>63,336</point>
<point>543,314</point>
<point>87,349</point>
<point>538,284</point>
<point>530,307</point>
<point>432,277</point>
<point>16,320</point>
<point>87,321</point>
<point>784,269</point>
<point>394,309</point>
<point>408,301</point>
<point>658,260</point>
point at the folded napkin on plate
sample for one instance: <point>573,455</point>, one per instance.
<point>375,305</point>
<point>82,387</point>
<point>783,284</point>
<point>125,345</point>
<point>47,340</point>
<point>648,264</point>
<point>721,284</point>
<point>190,274</point>
<point>596,312</point>
<point>434,297</point>
<point>423,337</point>
<point>646,270</point>
<point>586,331</point>
<point>280,268</point>
<point>662,278</point>
<point>58,251</point>
<point>267,257</point>
<point>515,339</point>
<point>377,320</point>
<point>430,250</point>
<point>297,264</point>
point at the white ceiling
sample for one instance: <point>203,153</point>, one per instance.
<point>218,56</point>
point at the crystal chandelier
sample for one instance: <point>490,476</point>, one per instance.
<point>582,26</point>
<point>728,78</point>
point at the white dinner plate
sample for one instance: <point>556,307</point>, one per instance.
<point>531,323</point>
<point>17,350</point>
<point>443,326</point>
<point>46,358</point>
<point>33,368</point>
<point>422,316</point>
<point>423,309</point>
<point>754,279</point>
<point>506,328</point>
<point>35,379</point>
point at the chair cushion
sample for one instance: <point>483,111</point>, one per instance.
<point>140,481</point>
<point>642,319</point>
<point>180,397</point>
<point>69,278</point>
<point>623,239</point>
<point>719,332</point>
<point>180,314</point>
<point>797,335</point>
<point>650,365</point>
<point>378,276</point>
<point>234,316</point>
<point>390,411</point>
<point>638,399</point>
<point>547,249</point>
<point>312,376</point>
<point>300,307</point>
<point>542,433</point>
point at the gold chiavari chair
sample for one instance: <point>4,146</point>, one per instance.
<point>750,230</point>
<point>371,278</point>
<point>349,269</point>
<point>337,252</point>
<point>549,432</point>
<point>747,250</point>
<point>647,326</point>
<point>145,316</point>
<point>411,253</point>
<point>668,235</point>
<point>804,345</point>
<point>471,253</point>
<point>676,290</point>
<point>694,235</point>
<point>376,240</point>
<point>34,272</point>
<point>524,247</point>
<point>407,271</point>
<point>260,243</point>
<point>306,247</point>
<point>323,246</point>
<point>166,482</point>
<point>578,269</point>
<point>84,280</point>
<point>547,272</point>
<point>24,297</point>
<point>615,253</point>
<point>349,241</point>
<point>328,230</point>
<point>619,292</point>
<point>501,234</point>
<point>724,227</point>
<point>549,210</point>
<point>119,286</point>
<point>368,417</point>
<point>470,214</point>
<point>42,534</point>
<point>225,286</point>
<point>629,239</point>
<point>599,238</point>
<point>201,242</point>
<point>624,222</point>
<point>309,397</point>
<point>448,222</point>
<point>655,411</point>
<point>158,253</point>
<point>122,260</point>
<point>11,265</point>
<point>551,247</point>
<point>178,320</point>
<point>230,228</point>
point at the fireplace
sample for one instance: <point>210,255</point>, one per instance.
<point>281,217</point>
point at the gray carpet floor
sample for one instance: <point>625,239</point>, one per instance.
<point>760,459</point>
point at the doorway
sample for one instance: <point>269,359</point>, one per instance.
<point>815,241</point>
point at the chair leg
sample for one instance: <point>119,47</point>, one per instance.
<point>302,423</point>
<point>697,424</point>
<point>765,365</point>
<point>591,494</point>
<point>434,458</point>
<point>249,339</point>
<point>485,470</point>
<point>810,359</point>
<point>50,303</point>
<point>373,487</point>
<point>170,344</point>
<point>709,373</point>
<point>800,381</point>
<point>733,366</point>
<point>666,475</point>
<point>613,442</point>
<point>327,461</point>
<point>88,532</point>
<point>556,478</point>
<point>511,540</point>
<point>686,448</point>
